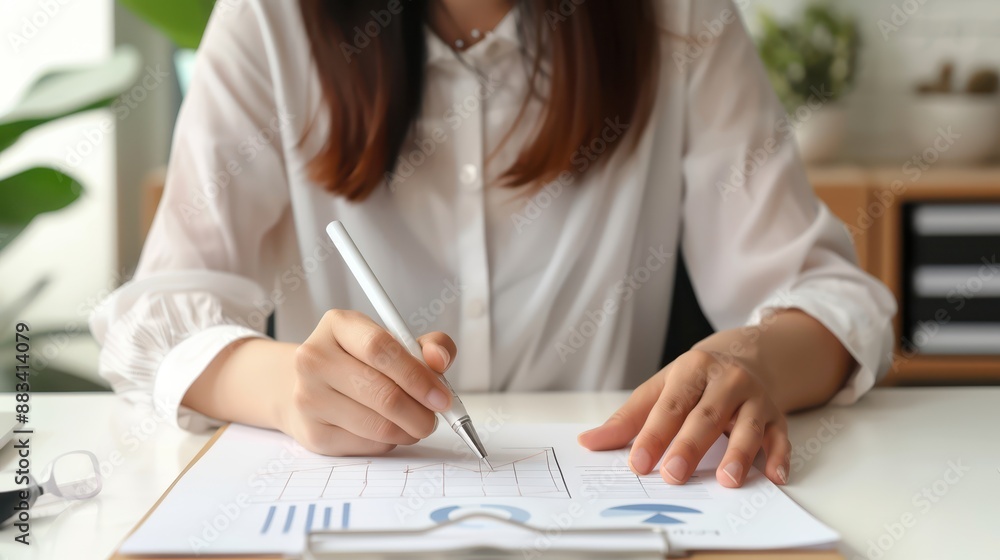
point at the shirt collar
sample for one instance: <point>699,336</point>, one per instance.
<point>500,41</point>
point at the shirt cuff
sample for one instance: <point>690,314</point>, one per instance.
<point>868,343</point>
<point>183,364</point>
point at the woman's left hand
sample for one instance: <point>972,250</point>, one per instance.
<point>687,406</point>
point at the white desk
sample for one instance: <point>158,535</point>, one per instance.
<point>858,480</point>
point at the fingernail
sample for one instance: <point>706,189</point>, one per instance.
<point>733,470</point>
<point>641,461</point>
<point>437,399</point>
<point>782,474</point>
<point>435,423</point>
<point>676,468</point>
<point>445,356</point>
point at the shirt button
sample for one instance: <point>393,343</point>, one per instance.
<point>476,309</point>
<point>469,175</point>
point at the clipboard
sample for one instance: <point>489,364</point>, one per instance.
<point>724,555</point>
<point>509,540</point>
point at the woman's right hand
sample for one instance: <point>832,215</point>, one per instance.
<point>357,391</point>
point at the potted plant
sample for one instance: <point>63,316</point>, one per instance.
<point>812,63</point>
<point>32,192</point>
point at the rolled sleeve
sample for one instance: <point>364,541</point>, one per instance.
<point>183,364</point>
<point>756,238</point>
<point>159,333</point>
<point>865,335</point>
<point>211,247</point>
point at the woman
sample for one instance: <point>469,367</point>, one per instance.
<point>520,176</point>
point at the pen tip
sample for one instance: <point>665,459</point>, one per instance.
<point>487,461</point>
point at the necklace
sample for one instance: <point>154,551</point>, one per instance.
<point>459,44</point>
<point>474,34</point>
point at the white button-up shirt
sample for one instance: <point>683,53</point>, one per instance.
<point>566,289</point>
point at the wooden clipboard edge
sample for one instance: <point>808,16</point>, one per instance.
<point>208,445</point>
<point>770,555</point>
<point>755,555</point>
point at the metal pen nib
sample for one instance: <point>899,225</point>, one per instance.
<point>465,430</point>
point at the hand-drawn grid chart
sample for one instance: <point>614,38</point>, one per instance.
<point>619,482</point>
<point>524,472</point>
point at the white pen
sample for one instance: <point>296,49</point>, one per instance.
<point>456,417</point>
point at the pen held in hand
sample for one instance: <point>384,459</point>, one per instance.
<point>456,417</point>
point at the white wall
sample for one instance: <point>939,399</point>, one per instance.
<point>966,32</point>
<point>76,246</point>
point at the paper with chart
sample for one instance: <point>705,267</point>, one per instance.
<point>257,491</point>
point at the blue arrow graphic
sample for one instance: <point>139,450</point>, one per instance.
<point>642,510</point>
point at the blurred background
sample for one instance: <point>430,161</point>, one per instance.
<point>894,104</point>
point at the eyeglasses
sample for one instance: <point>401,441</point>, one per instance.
<point>71,476</point>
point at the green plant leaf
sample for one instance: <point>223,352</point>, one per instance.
<point>183,21</point>
<point>818,50</point>
<point>30,193</point>
<point>65,92</point>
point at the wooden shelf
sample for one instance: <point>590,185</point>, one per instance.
<point>932,370</point>
<point>870,201</point>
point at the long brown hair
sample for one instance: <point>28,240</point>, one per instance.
<point>602,63</point>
